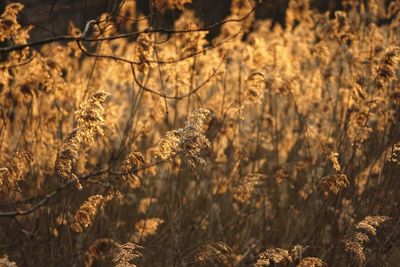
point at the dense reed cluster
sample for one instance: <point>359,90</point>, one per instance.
<point>268,145</point>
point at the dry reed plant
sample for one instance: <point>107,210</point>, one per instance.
<point>100,250</point>
<point>365,233</point>
<point>126,254</point>
<point>11,175</point>
<point>147,227</point>
<point>311,262</point>
<point>84,216</point>
<point>211,254</point>
<point>218,141</point>
<point>8,21</point>
<point>5,262</point>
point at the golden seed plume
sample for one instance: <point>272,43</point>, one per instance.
<point>89,124</point>
<point>86,213</point>
<point>311,262</point>
<point>13,174</point>
<point>364,231</point>
<point>334,183</point>
<point>273,256</point>
<point>8,21</point>
<point>190,140</point>
<point>254,87</point>
<point>210,254</point>
<point>244,188</point>
<point>5,262</point>
<point>147,227</point>
<point>126,253</point>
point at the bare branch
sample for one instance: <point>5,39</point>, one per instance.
<point>19,64</point>
<point>213,74</point>
<point>44,199</point>
<point>117,36</point>
<point>173,61</point>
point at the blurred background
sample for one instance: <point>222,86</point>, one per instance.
<point>51,17</point>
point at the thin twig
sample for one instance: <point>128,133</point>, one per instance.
<point>19,64</point>
<point>176,97</point>
<point>47,197</point>
<point>173,61</point>
<point>84,38</point>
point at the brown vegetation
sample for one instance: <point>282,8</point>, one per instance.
<point>266,146</point>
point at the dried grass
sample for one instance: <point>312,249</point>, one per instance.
<point>203,152</point>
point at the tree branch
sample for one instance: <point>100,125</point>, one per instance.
<point>144,88</point>
<point>44,199</point>
<point>117,36</point>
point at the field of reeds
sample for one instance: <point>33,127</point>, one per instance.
<point>123,144</point>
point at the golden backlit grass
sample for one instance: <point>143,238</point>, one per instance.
<point>266,146</point>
